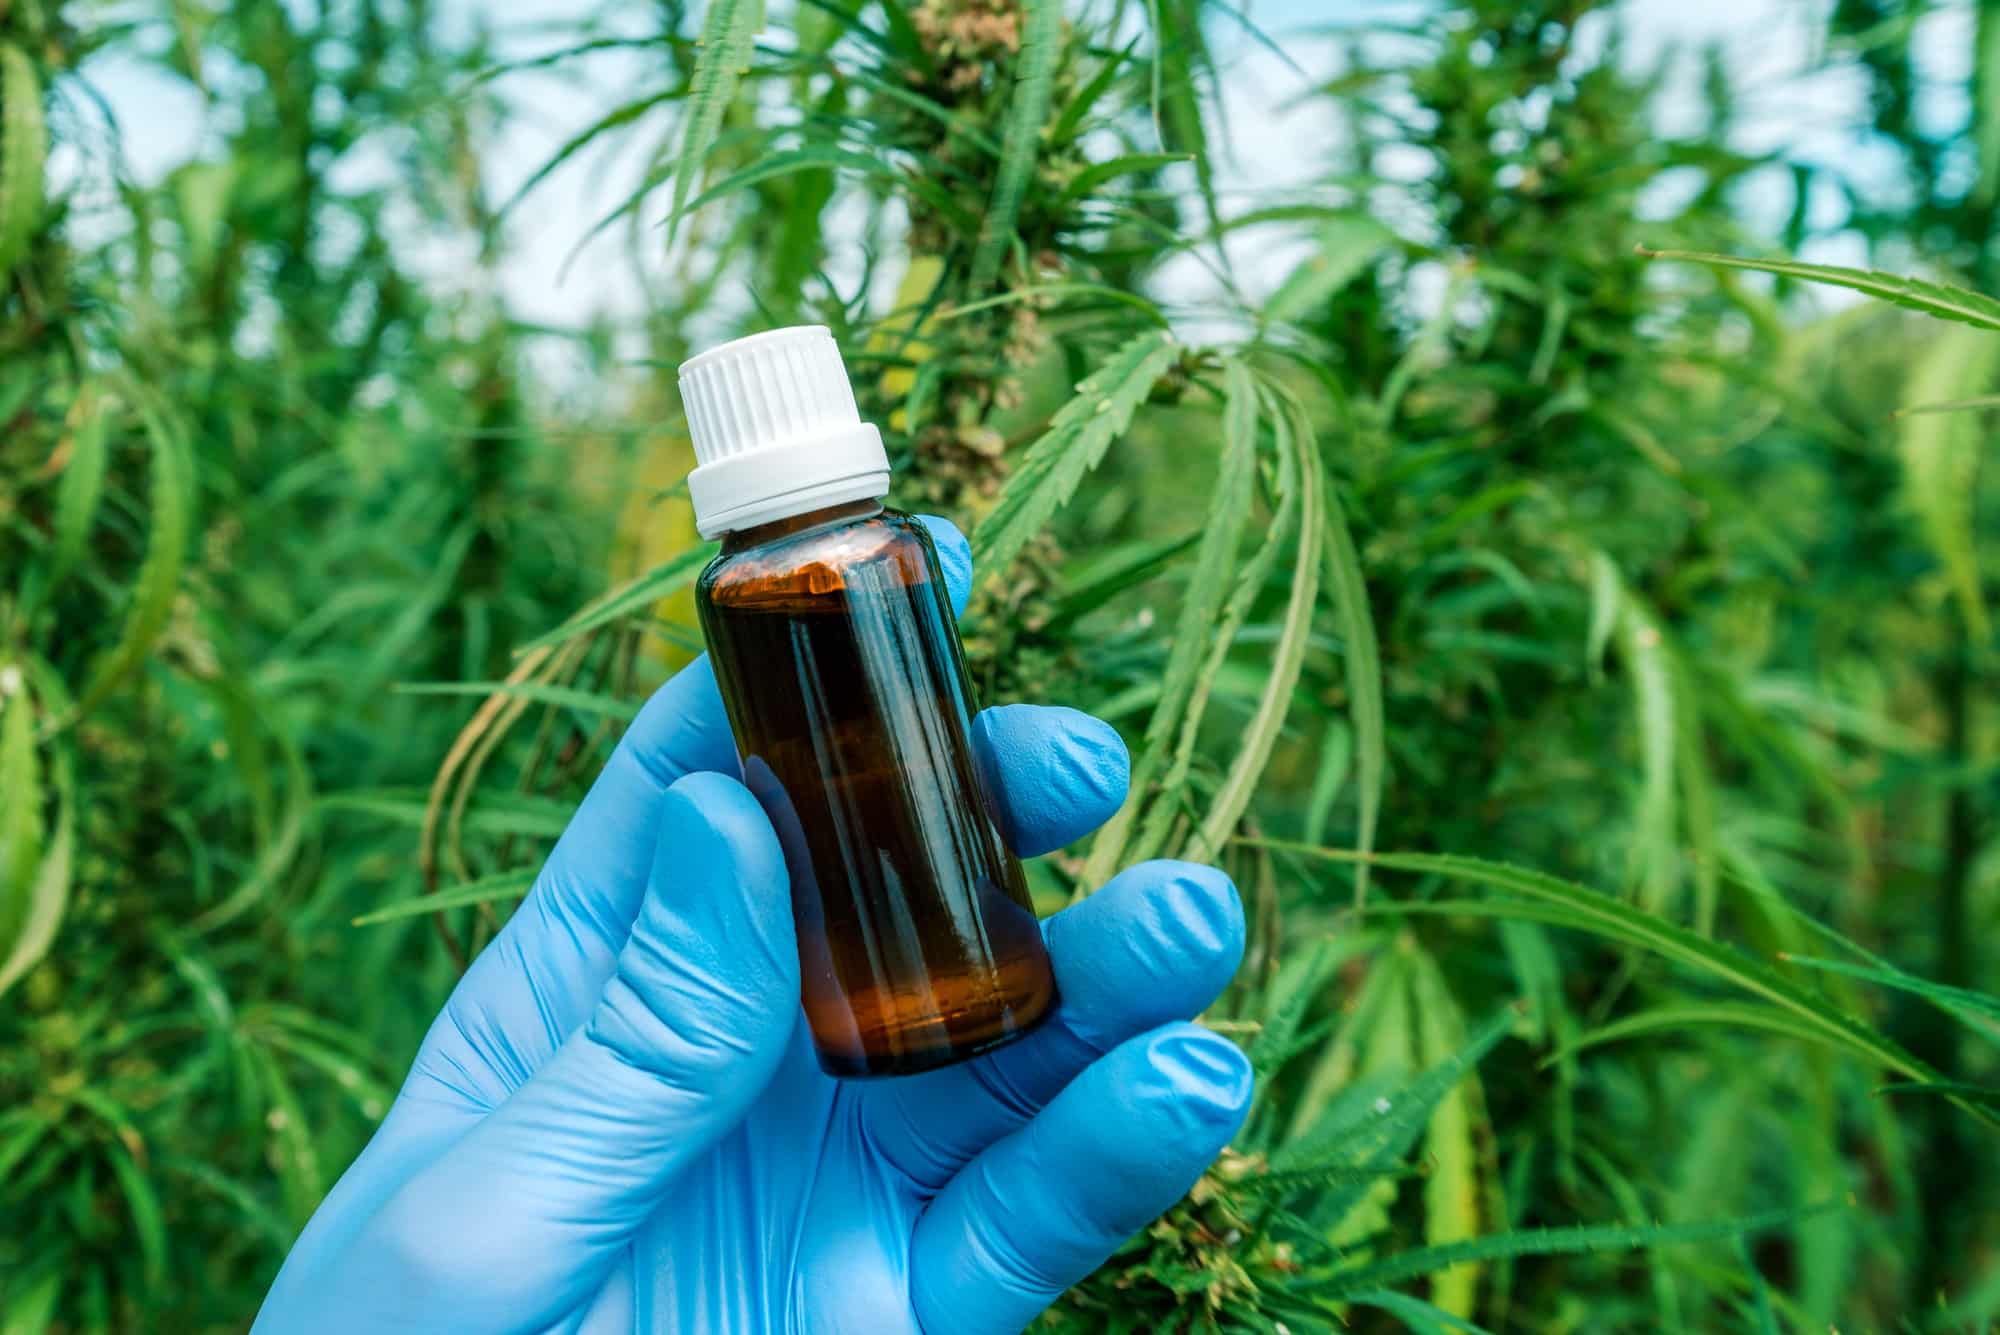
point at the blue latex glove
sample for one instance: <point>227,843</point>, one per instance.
<point>617,1123</point>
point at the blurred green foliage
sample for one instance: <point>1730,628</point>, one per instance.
<point>1478,537</point>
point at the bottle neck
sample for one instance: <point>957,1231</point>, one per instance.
<point>844,512</point>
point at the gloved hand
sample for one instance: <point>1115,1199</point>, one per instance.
<point>617,1123</point>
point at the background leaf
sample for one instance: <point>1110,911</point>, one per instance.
<point>1078,436</point>
<point>1027,113</point>
<point>726,36</point>
<point>24,150</point>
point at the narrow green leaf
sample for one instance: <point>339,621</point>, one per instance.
<point>1610,917</point>
<point>1194,629</point>
<point>1654,858</point>
<point>1336,758</point>
<point>31,1308</point>
<point>1335,1082</point>
<point>634,595</point>
<point>48,896</point>
<point>1951,406</point>
<point>1085,182</point>
<point>727,35</point>
<point>1697,796</point>
<point>504,885</point>
<point>1090,583</point>
<point>1605,588</point>
<point>1677,1018</point>
<point>1185,86</point>
<point>493,813</point>
<point>82,484</point>
<point>1168,800</point>
<point>1953,1000</point>
<point>350,1073</point>
<point>1501,908</point>
<point>1941,455</point>
<point>277,1234</point>
<point>957,122</point>
<point>1027,114</point>
<point>819,157</point>
<point>1284,1185</point>
<point>1423,350</point>
<point>1363,666</point>
<point>1380,1132</point>
<point>1346,246</point>
<point>1987,1094</point>
<point>1986,114</point>
<point>277,853</point>
<point>1297,988</point>
<point>34,930</point>
<point>562,697</point>
<point>20,1133</point>
<point>1074,444</point>
<point>1287,658</point>
<point>1134,301</point>
<point>1073,116</point>
<point>293,1151</point>
<point>1555,320</point>
<point>1939,299</point>
<point>172,484</point>
<point>1550,1242</point>
<point>1418,1316</point>
<point>619,116</point>
<point>149,1223</point>
<point>1632,1211</point>
<point>21,802</point>
<point>204,983</point>
<point>24,151</point>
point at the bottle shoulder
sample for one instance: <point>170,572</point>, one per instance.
<point>818,563</point>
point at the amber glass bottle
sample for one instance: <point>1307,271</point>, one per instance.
<point>834,646</point>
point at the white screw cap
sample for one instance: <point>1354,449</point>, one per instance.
<point>775,431</point>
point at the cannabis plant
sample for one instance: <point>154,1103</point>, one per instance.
<point>1573,658</point>
<point>1399,515</point>
<point>250,480</point>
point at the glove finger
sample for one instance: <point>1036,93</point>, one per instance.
<point>954,556</point>
<point>1039,1210</point>
<point>540,978</point>
<point>519,1221</point>
<point>1052,775</point>
<point>1159,942</point>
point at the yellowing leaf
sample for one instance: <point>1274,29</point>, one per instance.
<point>901,332</point>
<point>1940,453</point>
<point>1452,1189</point>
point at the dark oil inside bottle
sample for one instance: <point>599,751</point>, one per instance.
<point>837,657</point>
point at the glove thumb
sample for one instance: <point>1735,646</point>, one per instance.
<point>518,1222</point>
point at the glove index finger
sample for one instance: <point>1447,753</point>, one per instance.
<point>954,555</point>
